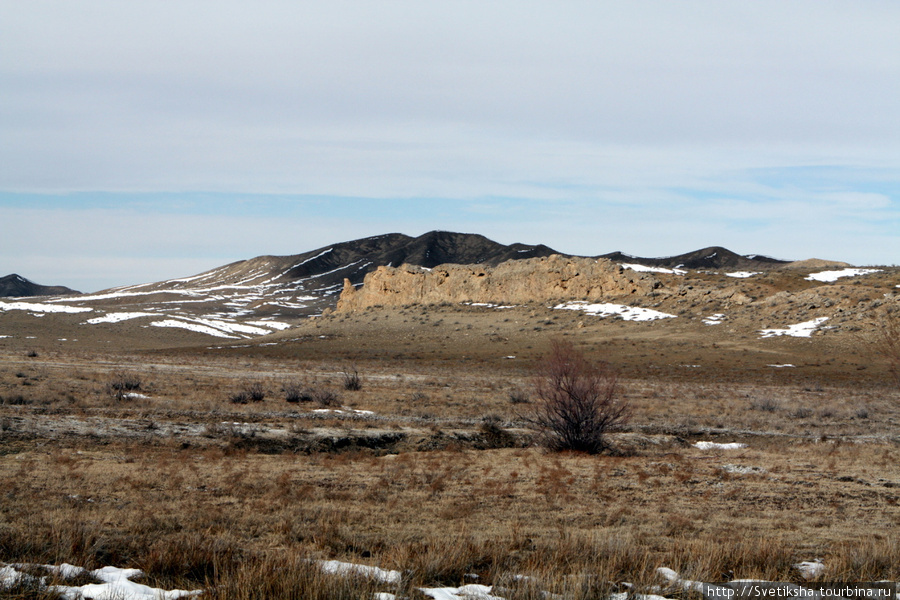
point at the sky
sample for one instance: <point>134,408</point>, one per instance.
<point>142,141</point>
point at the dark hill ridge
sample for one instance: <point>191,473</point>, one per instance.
<point>715,257</point>
<point>428,250</point>
<point>16,286</point>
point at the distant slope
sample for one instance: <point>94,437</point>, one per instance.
<point>296,286</point>
<point>713,258</point>
<point>13,286</point>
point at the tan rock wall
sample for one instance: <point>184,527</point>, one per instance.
<point>513,282</point>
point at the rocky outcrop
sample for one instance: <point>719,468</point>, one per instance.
<point>553,277</point>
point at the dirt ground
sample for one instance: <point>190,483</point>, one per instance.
<point>117,442</point>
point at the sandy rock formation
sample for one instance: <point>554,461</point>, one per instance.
<point>513,282</point>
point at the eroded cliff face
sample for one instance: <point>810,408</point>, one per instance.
<point>513,282</point>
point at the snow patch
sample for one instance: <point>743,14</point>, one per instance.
<point>831,276</point>
<point>271,324</point>
<point>346,411</point>
<point>718,446</point>
<point>646,269</point>
<point>337,567</point>
<point>626,313</point>
<point>473,591</point>
<point>117,317</point>
<point>742,274</point>
<point>116,583</point>
<point>810,569</point>
<point>43,308</point>
<point>715,319</point>
<point>804,329</point>
<point>193,327</point>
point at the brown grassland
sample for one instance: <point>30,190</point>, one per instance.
<point>151,457</point>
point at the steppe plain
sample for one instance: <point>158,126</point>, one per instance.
<point>131,445</point>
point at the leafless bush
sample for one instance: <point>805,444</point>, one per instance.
<point>765,405</point>
<point>352,381</point>
<point>575,401</point>
<point>253,391</point>
<point>326,397</point>
<point>296,391</point>
<point>518,396</point>
<point>122,385</point>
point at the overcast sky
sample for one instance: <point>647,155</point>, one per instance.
<point>142,141</point>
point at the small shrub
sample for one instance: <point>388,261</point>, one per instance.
<point>326,397</point>
<point>295,392</point>
<point>518,397</point>
<point>352,381</point>
<point>239,397</point>
<point>765,405</point>
<point>32,354</point>
<point>17,400</point>
<point>122,385</point>
<point>251,392</point>
<point>801,413</point>
<point>576,403</point>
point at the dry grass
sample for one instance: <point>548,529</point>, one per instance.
<point>239,498</point>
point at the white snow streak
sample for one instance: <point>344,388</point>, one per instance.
<point>627,313</point>
<point>117,317</point>
<point>43,308</point>
<point>646,269</point>
<point>804,329</point>
<point>116,583</point>
<point>831,276</point>
<point>718,446</point>
<point>193,327</point>
<point>337,567</point>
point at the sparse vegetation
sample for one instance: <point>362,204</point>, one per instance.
<point>576,404</point>
<point>885,339</point>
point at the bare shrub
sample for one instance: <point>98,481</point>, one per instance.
<point>122,385</point>
<point>352,381</point>
<point>253,391</point>
<point>518,396</point>
<point>575,401</point>
<point>296,391</point>
<point>765,405</point>
<point>326,397</point>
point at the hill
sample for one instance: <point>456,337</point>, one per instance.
<point>267,294</point>
<point>714,257</point>
<point>16,286</point>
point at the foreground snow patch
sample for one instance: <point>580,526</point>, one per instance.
<point>718,446</point>
<point>831,276</point>
<point>472,591</point>
<point>627,313</point>
<point>804,329</point>
<point>337,567</point>
<point>116,583</point>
